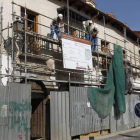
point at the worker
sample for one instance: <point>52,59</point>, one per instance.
<point>93,37</point>
<point>55,26</point>
<point>88,30</point>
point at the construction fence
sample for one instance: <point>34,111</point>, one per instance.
<point>15,111</point>
<point>72,115</point>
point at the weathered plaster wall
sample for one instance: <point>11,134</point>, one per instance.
<point>49,8</point>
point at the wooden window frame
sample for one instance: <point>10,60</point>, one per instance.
<point>124,57</point>
<point>106,50</point>
<point>32,13</point>
<point>36,46</point>
<point>71,29</point>
<point>124,54</point>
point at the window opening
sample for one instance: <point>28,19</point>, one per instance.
<point>32,47</point>
<point>105,50</point>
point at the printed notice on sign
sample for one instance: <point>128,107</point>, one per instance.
<point>76,53</point>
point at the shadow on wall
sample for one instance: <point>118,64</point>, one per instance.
<point>56,2</point>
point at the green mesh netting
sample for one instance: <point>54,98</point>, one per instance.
<point>119,80</point>
<point>102,99</point>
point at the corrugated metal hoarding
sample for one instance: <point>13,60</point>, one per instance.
<point>72,115</point>
<point>60,129</point>
<point>83,119</point>
<point>15,112</point>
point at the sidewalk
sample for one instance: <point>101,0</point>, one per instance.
<point>133,134</point>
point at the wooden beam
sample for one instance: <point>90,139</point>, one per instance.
<point>113,24</point>
<point>80,8</point>
<point>131,36</point>
<point>72,3</point>
<point>92,134</point>
<point>36,95</point>
<point>128,33</point>
<point>93,14</point>
<point>108,21</point>
<point>88,12</point>
<point>100,18</point>
<point>117,25</point>
<point>121,30</point>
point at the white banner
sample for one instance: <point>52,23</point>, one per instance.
<point>76,53</point>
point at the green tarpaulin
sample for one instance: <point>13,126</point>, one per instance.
<point>102,99</point>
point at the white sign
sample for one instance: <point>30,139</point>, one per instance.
<point>76,53</point>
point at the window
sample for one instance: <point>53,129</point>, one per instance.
<point>31,16</point>
<point>105,50</point>
<point>124,56</point>
<point>32,47</point>
<point>76,21</point>
<point>72,31</point>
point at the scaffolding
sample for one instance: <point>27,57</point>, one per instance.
<point>30,40</point>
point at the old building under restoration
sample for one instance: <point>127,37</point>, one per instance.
<point>61,71</point>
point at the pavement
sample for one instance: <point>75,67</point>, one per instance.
<point>133,134</point>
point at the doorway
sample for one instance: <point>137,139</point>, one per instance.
<point>40,114</point>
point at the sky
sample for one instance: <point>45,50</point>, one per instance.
<point>126,11</point>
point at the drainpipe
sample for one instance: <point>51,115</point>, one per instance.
<point>95,16</point>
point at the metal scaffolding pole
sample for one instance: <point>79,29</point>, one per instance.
<point>25,47</point>
<point>68,15</point>
<point>1,40</point>
<point>69,81</point>
<point>105,43</point>
<point>138,50</point>
<point>8,54</point>
<point>131,65</point>
<point>12,40</point>
<point>124,28</point>
<point>98,66</point>
<point>104,30</point>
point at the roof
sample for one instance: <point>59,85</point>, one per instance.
<point>89,10</point>
<point>111,15</point>
<point>90,1</point>
<point>137,32</point>
<point>126,25</point>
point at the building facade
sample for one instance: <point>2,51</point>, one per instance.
<point>29,55</point>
